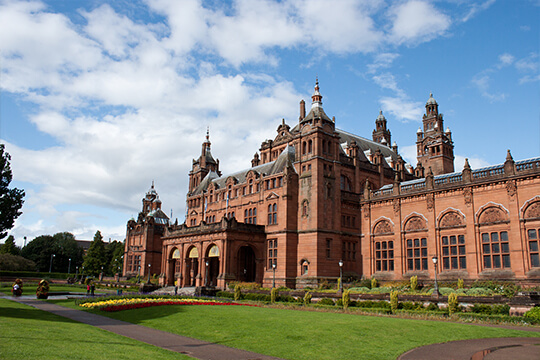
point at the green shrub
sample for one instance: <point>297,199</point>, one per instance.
<point>534,313</point>
<point>273,295</point>
<point>237,292</point>
<point>490,309</point>
<point>346,299</point>
<point>381,290</point>
<point>432,307</point>
<point>408,305</point>
<point>307,298</point>
<point>360,290</point>
<point>453,303</point>
<point>374,283</point>
<point>394,303</point>
<point>325,301</point>
<point>338,283</point>
<point>414,283</point>
<point>225,294</point>
<point>287,298</point>
<point>460,284</point>
<point>256,297</point>
<point>373,304</point>
<point>478,291</point>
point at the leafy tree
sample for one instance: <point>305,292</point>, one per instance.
<point>11,200</point>
<point>11,262</point>
<point>115,257</point>
<point>9,247</point>
<point>40,251</point>
<point>67,248</point>
<point>96,257</point>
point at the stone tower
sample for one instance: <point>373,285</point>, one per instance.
<point>434,146</point>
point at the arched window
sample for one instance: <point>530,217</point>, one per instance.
<point>310,146</point>
<point>272,214</point>
<point>304,148</point>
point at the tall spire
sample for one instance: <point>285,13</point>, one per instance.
<point>316,97</point>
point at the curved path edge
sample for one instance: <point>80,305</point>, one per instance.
<point>516,348</point>
<point>192,347</point>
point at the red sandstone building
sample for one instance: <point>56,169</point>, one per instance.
<point>315,195</point>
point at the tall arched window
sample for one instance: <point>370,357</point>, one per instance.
<point>452,241</point>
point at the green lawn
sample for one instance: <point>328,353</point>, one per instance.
<point>28,333</point>
<point>295,334</point>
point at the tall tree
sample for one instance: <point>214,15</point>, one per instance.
<point>11,200</point>
<point>96,257</point>
<point>67,248</point>
<point>40,251</point>
<point>115,257</point>
<point>9,247</point>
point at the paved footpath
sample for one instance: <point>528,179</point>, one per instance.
<point>181,344</point>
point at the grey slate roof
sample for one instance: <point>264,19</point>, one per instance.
<point>275,167</point>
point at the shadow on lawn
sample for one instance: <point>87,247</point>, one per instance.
<point>138,316</point>
<point>29,313</point>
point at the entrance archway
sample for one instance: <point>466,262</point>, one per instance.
<point>246,264</point>
<point>213,265</point>
<point>174,266</point>
<point>192,267</point>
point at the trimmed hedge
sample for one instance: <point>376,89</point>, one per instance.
<point>498,318</point>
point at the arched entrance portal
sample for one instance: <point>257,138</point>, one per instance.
<point>174,266</point>
<point>213,265</point>
<point>246,264</point>
<point>192,267</point>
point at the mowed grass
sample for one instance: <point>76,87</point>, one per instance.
<point>294,334</point>
<point>28,333</point>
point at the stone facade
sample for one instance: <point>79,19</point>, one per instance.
<point>315,195</point>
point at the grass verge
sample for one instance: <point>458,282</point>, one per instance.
<point>28,333</point>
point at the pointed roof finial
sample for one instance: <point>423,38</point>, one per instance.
<point>316,97</point>
<point>509,156</point>
<point>207,133</point>
<point>467,166</point>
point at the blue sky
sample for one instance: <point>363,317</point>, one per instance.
<point>100,98</point>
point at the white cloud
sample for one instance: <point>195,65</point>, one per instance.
<point>475,8</point>
<point>506,59</point>
<point>382,61</point>
<point>474,162</point>
<point>482,82</point>
<point>402,108</point>
<point>416,21</point>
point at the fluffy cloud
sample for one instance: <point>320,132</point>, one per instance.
<point>416,21</point>
<point>127,101</point>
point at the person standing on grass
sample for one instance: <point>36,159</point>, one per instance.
<point>176,283</point>
<point>87,289</point>
<point>92,289</point>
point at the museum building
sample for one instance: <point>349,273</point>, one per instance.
<point>318,201</point>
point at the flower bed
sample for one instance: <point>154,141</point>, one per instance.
<point>137,303</point>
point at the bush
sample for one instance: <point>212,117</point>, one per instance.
<point>534,313</point>
<point>478,291</point>
<point>325,301</point>
<point>225,294</point>
<point>346,299</point>
<point>414,283</point>
<point>374,283</point>
<point>453,303</point>
<point>237,292</point>
<point>490,310</point>
<point>460,284</point>
<point>307,298</point>
<point>256,297</point>
<point>432,307</point>
<point>394,302</point>
<point>360,290</point>
<point>16,263</point>
<point>373,304</point>
<point>408,305</point>
<point>273,295</point>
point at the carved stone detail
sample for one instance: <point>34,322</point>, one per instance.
<point>415,223</point>
<point>511,188</point>
<point>430,200</point>
<point>383,227</point>
<point>451,219</point>
<point>492,215</point>
<point>396,206</point>
<point>467,194</point>
<point>533,211</point>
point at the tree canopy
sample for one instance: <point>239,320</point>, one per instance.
<point>9,247</point>
<point>64,247</point>
<point>11,200</point>
<point>96,257</point>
